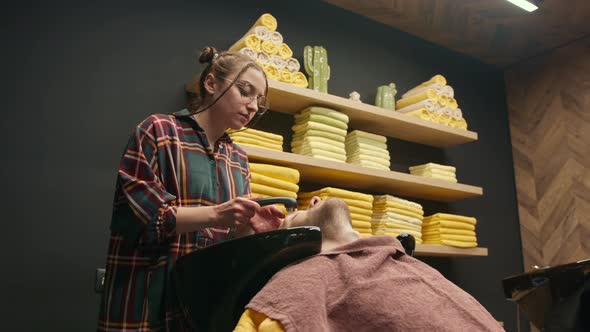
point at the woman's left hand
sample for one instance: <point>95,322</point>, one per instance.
<point>267,218</point>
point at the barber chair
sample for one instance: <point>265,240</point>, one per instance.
<point>214,284</point>
<point>553,298</point>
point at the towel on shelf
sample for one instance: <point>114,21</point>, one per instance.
<point>268,47</point>
<point>360,146</point>
<point>421,113</point>
<point>453,103</point>
<point>404,212</point>
<point>435,79</point>
<point>364,158</point>
<point>261,31</point>
<point>367,136</point>
<point>251,41</point>
<point>272,182</point>
<point>303,145</point>
<point>448,91</point>
<point>426,94</point>
<point>271,191</point>
<point>301,118</point>
<point>398,205</point>
<point>356,140</point>
<point>284,51</point>
<point>447,224</point>
<point>271,72</point>
<point>318,133</point>
<point>293,64</point>
<point>342,193</point>
<point>434,171</point>
<point>361,224</point>
<point>432,166</point>
<point>317,139</point>
<point>427,104</point>
<point>276,143</point>
<point>300,128</point>
<point>403,225</point>
<point>278,172</point>
<point>361,217</point>
<point>437,87</point>
<point>317,152</point>
<point>453,237</point>
<point>390,215</point>
<point>391,198</point>
<point>257,143</point>
<point>259,133</point>
<point>276,37</point>
<point>263,59</point>
<point>449,231</point>
<point>250,52</point>
<point>349,201</point>
<point>452,217</point>
<point>300,80</point>
<point>370,164</point>
<point>268,21</point>
<point>382,155</point>
<point>361,211</point>
<point>325,111</point>
<point>277,62</point>
<point>452,243</point>
<point>285,76</point>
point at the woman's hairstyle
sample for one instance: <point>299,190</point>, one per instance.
<point>229,65</point>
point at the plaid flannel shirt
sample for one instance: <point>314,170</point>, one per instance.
<point>168,163</point>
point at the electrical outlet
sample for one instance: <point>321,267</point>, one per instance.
<point>99,281</point>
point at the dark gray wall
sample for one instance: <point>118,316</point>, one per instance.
<point>78,77</point>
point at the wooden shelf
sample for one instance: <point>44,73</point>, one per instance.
<point>440,250</point>
<point>335,174</point>
<point>287,98</point>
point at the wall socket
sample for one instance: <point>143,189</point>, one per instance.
<point>99,281</point>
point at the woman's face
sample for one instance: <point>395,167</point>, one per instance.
<point>240,103</point>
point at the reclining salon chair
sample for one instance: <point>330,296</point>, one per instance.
<point>214,284</point>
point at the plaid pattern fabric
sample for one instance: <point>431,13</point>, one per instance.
<point>168,163</point>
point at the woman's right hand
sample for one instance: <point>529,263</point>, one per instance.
<point>236,212</point>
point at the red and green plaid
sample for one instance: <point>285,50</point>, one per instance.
<point>168,163</point>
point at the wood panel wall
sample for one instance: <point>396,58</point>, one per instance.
<point>549,113</point>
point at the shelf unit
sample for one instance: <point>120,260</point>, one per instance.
<point>287,98</point>
<point>371,180</point>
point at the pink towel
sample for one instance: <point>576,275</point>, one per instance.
<point>369,285</point>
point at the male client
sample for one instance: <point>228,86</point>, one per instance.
<point>359,284</point>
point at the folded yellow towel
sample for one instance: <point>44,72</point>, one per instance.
<point>268,21</point>
<point>453,103</point>
<point>253,321</point>
<point>301,145</point>
<point>441,80</point>
<point>421,113</point>
<point>358,158</point>
<point>268,190</point>
<point>364,134</point>
<point>351,141</point>
<point>271,72</point>
<point>426,104</point>
<point>435,86</point>
<point>448,224</point>
<point>299,80</point>
<point>464,238</point>
<point>359,146</point>
<point>272,182</point>
<point>342,193</point>
<point>361,224</point>
<point>391,198</point>
<point>327,112</point>
<point>361,217</point>
<point>277,172</point>
<point>318,126</point>
<point>257,143</point>
<point>398,211</point>
<point>251,41</point>
<point>461,124</point>
<point>322,156</point>
<point>452,243</point>
<point>317,139</point>
<point>404,225</point>
<point>370,164</point>
<point>432,166</point>
<point>257,138</point>
<point>451,217</point>
<point>320,153</point>
<point>427,94</point>
<point>285,76</point>
<point>357,210</point>
<point>384,154</point>
<point>385,216</point>
<point>393,204</point>
<point>449,231</point>
<point>438,177</point>
<point>259,133</point>
<point>269,47</point>
<point>428,171</point>
<point>318,133</point>
<point>285,51</point>
<point>304,200</point>
<point>443,100</point>
<point>301,118</point>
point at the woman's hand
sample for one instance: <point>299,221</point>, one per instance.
<point>267,218</point>
<point>236,212</point>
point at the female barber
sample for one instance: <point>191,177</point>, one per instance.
<point>182,186</point>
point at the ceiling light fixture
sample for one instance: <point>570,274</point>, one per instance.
<point>529,7</point>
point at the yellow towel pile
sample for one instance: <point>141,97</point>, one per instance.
<point>367,150</point>
<point>450,229</point>
<point>433,101</point>
<point>258,138</point>
<point>359,204</point>
<point>265,45</point>
<point>320,133</point>
<point>272,181</point>
<point>393,216</point>
<point>435,171</point>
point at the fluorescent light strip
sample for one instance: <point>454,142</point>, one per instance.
<point>529,7</point>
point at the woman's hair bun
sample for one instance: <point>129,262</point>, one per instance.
<point>208,54</point>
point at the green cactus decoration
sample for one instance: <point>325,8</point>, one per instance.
<point>315,61</point>
<point>386,96</point>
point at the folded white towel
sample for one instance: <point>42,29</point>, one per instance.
<point>250,52</point>
<point>293,65</point>
<point>276,37</point>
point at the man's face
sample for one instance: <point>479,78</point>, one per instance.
<point>305,217</point>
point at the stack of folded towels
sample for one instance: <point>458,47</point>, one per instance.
<point>367,150</point>
<point>450,229</point>
<point>320,132</point>
<point>258,138</point>
<point>359,204</point>
<point>264,44</point>
<point>394,216</point>
<point>273,181</point>
<point>435,171</point>
<point>433,101</point>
